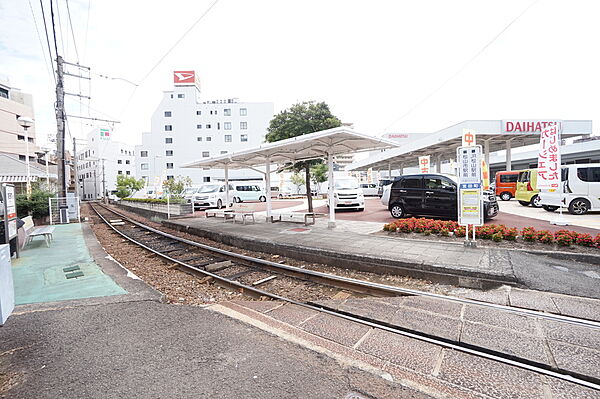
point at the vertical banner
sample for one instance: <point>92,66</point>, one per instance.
<point>485,174</point>
<point>468,137</point>
<point>470,198</point>
<point>549,170</point>
<point>424,163</point>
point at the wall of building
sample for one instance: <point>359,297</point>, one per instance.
<point>185,129</point>
<point>102,158</point>
<point>14,103</point>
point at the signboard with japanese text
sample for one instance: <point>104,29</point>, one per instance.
<point>468,137</point>
<point>104,134</point>
<point>10,211</point>
<point>470,198</point>
<point>549,170</point>
<point>424,163</point>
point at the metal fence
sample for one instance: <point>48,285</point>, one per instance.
<point>64,210</point>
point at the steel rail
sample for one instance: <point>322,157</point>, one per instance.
<point>472,350</point>
<point>368,286</point>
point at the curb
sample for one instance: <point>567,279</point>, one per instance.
<point>435,273</point>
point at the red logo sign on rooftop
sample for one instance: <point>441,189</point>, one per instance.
<point>184,77</point>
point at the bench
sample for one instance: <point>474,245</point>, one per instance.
<point>290,217</point>
<point>226,214</point>
<point>244,210</point>
<point>32,231</point>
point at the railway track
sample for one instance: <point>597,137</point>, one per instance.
<point>253,276</point>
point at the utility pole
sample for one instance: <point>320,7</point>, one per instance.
<point>60,127</point>
<point>103,183</point>
<point>95,185</point>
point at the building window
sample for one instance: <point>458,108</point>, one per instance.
<point>127,172</point>
<point>199,138</point>
<point>228,138</point>
<point>143,154</point>
<point>171,96</point>
<point>243,137</point>
<point>120,172</point>
<point>169,153</point>
<point>223,152</point>
<point>167,114</point>
<point>180,95</point>
<point>205,154</point>
<point>208,125</point>
<point>218,125</point>
<point>144,166</point>
<point>227,125</point>
<point>170,177</point>
<point>168,140</point>
<point>243,125</point>
<point>208,138</point>
<point>198,112</point>
<point>21,157</point>
<point>168,128</point>
<point>227,112</point>
<point>119,161</point>
<point>21,138</point>
<point>30,139</point>
<point>127,162</point>
<point>198,126</point>
<point>169,165</point>
<point>206,179</point>
<point>243,112</point>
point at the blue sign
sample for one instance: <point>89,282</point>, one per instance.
<point>470,185</point>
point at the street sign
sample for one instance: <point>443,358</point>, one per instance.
<point>424,163</point>
<point>549,171</point>
<point>10,211</point>
<point>470,198</point>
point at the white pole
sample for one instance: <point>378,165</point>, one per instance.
<point>331,223</point>
<point>168,204</point>
<point>27,163</point>
<point>390,170</point>
<point>268,186</point>
<point>47,173</point>
<point>508,155</point>
<point>226,186</point>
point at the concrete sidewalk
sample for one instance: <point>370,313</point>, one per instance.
<point>450,263</point>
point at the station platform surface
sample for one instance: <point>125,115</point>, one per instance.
<point>64,270</point>
<point>348,246</point>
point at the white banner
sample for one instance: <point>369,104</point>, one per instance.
<point>424,163</point>
<point>549,170</point>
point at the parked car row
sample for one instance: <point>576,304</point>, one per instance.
<point>430,195</point>
<point>214,195</point>
<point>580,189</point>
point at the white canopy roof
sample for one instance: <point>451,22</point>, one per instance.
<point>340,140</point>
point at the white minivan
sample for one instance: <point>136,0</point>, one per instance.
<point>581,190</point>
<point>347,194</point>
<point>213,195</point>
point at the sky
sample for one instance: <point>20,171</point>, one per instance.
<point>386,66</point>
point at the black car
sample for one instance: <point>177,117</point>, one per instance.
<point>432,195</point>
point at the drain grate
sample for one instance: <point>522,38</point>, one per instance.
<point>70,269</point>
<point>72,272</point>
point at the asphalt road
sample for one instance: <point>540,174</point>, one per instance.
<point>151,350</point>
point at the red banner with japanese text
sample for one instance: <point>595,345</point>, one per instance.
<point>549,158</point>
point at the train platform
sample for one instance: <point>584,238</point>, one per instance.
<point>72,267</point>
<point>350,245</point>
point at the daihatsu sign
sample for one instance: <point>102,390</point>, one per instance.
<point>185,78</point>
<point>526,126</point>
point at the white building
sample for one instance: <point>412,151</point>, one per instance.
<point>184,129</point>
<point>100,161</point>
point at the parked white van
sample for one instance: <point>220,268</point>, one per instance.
<point>581,190</point>
<point>249,192</point>
<point>347,194</point>
<point>213,195</point>
<point>369,189</point>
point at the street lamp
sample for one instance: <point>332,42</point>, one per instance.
<point>45,151</point>
<point>26,123</point>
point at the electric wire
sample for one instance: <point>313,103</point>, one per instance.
<point>48,39</point>
<point>462,68</point>
<point>166,54</point>
<point>60,31</point>
<point>48,65</point>
<point>53,27</point>
<point>72,31</point>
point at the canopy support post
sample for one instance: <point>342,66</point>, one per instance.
<point>268,187</point>
<point>390,170</point>
<point>331,223</point>
<point>508,155</point>
<point>226,186</point>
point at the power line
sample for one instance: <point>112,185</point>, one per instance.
<point>461,68</point>
<point>87,25</point>
<point>167,53</point>
<point>53,27</point>
<point>47,39</point>
<point>72,32</point>
<point>62,38</point>
<point>49,66</point>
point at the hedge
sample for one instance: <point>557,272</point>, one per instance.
<point>156,200</point>
<point>495,232</point>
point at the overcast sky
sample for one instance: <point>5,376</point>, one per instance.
<point>373,62</point>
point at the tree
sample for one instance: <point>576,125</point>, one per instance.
<point>126,185</point>
<point>297,181</point>
<point>302,118</point>
<point>177,185</point>
<point>318,175</point>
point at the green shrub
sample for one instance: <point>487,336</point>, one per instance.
<point>174,200</point>
<point>497,237</point>
<point>37,206</point>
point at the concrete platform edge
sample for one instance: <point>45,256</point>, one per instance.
<point>436,273</point>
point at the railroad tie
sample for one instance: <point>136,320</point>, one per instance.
<point>215,267</point>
